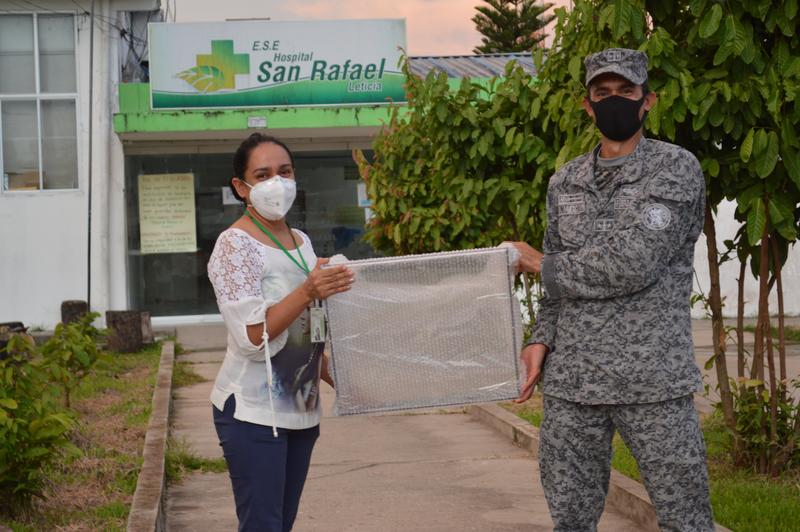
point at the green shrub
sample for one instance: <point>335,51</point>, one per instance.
<point>754,419</point>
<point>33,427</point>
<point>72,352</point>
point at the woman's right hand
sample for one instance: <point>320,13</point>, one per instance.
<point>323,283</point>
<point>320,284</point>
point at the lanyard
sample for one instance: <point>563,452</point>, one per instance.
<point>303,266</point>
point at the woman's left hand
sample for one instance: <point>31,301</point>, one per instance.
<point>323,283</point>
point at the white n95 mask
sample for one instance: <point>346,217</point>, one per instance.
<point>273,197</point>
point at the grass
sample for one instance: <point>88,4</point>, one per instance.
<point>792,334</point>
<point>183,374</point>
<point>745,502</point>
<point>742,501</point>
<point>94,491</point>
<point>179,349</point>
<point>180,459</point>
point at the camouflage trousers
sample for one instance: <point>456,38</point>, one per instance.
<point>666,440</point>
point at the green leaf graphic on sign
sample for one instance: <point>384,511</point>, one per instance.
<point>203,78</point>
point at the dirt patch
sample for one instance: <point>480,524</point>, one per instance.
<point>94,491</point>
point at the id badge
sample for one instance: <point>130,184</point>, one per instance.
<point>318,331</point>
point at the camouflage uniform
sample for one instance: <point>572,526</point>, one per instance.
<point>617,274</point>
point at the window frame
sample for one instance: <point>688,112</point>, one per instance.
<point>38,97</point>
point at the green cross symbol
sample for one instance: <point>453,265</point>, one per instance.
<point>229,63</point>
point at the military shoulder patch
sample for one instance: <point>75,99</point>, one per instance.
<point>604,224</point>
<point>656,216</point>
<point>571,204</point>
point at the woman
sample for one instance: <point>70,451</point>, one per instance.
<point>268,281</point>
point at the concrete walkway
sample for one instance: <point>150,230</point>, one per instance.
<point>704,350</point>
<point>438,471</point>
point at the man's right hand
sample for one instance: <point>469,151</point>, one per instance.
<point>530,260</point>
<point>533,357</point>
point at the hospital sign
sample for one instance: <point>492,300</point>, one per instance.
<point>265,63</point>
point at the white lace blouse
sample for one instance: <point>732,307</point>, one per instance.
<point>249,277</point>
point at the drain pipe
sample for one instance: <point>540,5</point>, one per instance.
<point>91,118</point>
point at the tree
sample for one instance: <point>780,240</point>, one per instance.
<point>34,429</point>
<point>744,58</point>
<point>72,352</point>
<point>510,25</point>
<point>727,75</point>
<point>468,168</point>
<point>459,169</point>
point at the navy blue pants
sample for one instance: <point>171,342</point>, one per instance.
<point>267,473</point>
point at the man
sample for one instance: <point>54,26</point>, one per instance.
<point>614,329</point>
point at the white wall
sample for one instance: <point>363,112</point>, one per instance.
<point>727,227</point>
<point>43,235</point>
<point>42,255</point>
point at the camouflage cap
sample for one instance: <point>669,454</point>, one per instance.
<point>630,64</point>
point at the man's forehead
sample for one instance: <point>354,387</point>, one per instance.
<point>611,79</point>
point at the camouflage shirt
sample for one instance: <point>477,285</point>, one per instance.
<point>617,277</point>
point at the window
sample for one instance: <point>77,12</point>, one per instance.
<point>38,94</point>
<point>175,284</point>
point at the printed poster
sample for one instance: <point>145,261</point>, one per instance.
<point>167,214</point>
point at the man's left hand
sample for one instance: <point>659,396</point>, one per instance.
<point>532,357</point>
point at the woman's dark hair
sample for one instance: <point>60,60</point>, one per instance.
<point>242,156</point>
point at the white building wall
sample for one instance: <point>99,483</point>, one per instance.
<point>727,227</point>
<point>43,234</point>
<point>42,255</point>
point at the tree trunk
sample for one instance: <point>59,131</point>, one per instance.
<point>73,310</point>
<point>781,325</point>
<point>740,325</point>
<point>147,328</point>
<point>773,396</point>
<point>125,330</point>
<point>717,324</point>
<point>763,312</point>
<point>762,333</point>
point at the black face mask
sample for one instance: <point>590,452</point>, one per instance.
<point>617,117</point>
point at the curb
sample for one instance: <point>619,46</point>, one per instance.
<point>148,507</point>
<point>625,495</point>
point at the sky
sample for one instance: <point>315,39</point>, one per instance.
<point>433,27</point>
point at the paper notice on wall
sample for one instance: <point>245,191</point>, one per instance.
<point>167,213</point>
<point>361,193</point>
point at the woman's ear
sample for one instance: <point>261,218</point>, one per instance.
<point>241,188</point>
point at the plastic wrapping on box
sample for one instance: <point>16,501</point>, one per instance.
<point>424,331</point>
